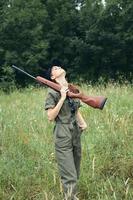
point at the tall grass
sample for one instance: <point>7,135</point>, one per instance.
<point>28,168</point>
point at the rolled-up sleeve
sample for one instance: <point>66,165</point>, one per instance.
<point>50,101</point>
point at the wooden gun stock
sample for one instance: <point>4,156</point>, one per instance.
<point>95,102</point>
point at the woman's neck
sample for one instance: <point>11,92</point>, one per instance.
<point>62,81</point>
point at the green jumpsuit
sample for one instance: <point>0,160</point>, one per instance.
<point>67,141</point>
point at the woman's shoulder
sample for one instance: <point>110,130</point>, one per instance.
<point>53,92</point>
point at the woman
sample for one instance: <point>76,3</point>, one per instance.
<point>68,126</point>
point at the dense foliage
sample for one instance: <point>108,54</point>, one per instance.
<point>91,39</point>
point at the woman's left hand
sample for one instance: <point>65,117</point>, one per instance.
<point>81,122</point>
<point>83,127</point>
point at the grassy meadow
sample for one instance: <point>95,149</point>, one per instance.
<point>28,168</point>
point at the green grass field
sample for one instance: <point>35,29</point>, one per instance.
<point>28,168</point>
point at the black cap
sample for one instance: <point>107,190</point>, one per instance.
<point>47,73</point>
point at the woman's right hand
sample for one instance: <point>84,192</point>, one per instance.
<point>63,92</point>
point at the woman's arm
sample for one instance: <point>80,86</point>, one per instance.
<point>53,112</point>
<point>81,122</point>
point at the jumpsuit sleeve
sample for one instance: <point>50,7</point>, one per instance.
<point>50,101</point>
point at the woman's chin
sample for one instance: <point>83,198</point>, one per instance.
<point>63,72</point>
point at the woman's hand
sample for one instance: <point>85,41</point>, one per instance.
<point>81,122</point>
<point>83,126</point>
<point>63,92</point>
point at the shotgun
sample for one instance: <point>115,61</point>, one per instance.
<point>93,101</point>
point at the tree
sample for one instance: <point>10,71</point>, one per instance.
<point>34,32</point>
<point>21,35</point>
<point>62,25</point>
<point>108,52</point>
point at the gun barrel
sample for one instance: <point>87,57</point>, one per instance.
<point>23,71</point>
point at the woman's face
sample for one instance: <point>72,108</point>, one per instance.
<point>57,72</point>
